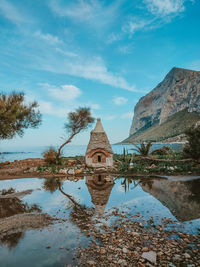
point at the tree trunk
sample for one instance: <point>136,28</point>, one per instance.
<point>68,141</point>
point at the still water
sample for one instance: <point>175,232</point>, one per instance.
<point>98,195</point>
<point>20,153</point>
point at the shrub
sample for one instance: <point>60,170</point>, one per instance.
<point>51,156</point>
<point>165,150</point>
<point>192,148</point>
<point>144,149</point>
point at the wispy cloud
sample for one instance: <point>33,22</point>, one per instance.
<point>195,65</point>
<point>135,24</point>
<point>92,69</point>
<point>128,115</point>
<point>119,100</point>
<point>48,37</point>
<point>48,108</point>
<point>165,7</point>
<point>110,117</point>
<point>11,12</point>
<point>95,106</point>
<point>64,92</point>
<point>66,53</point>
<point>92,12</point>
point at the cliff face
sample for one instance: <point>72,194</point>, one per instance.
<point>179,90</point>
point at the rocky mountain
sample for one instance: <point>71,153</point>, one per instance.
<point>178,93</point>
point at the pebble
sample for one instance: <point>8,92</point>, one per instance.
<point>150,256</point>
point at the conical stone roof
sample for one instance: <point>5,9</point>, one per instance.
<point>99,139</point>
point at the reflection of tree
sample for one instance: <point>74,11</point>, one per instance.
<point>11,240</point>
<point>128,181</point>
<point>80,215</point>
<point>193,187</point>
<point>148,183</point>
<point>10,206</point>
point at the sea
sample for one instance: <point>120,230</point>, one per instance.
<point>19,153</point>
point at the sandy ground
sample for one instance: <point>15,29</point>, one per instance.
<point>21,222</point>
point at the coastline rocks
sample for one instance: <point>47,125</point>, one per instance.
<point>150,256</point>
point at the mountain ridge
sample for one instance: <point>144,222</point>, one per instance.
<point>179,90</point>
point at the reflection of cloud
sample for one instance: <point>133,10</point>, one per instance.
<point>22,184</point>
<point>137,200</point>
<point>119,188</point>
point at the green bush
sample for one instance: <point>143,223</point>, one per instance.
<point>51,156</point>
<point>192,148</point>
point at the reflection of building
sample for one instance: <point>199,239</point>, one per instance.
<point>99,152</point>
<point>100,187</point>
<point>180,198</point>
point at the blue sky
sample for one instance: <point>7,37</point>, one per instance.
<point>102,54</point>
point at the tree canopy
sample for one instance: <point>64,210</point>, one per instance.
<point>16,115</point>
<point>77,121</point>
<point>192,148</point>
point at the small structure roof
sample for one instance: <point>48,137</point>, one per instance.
<point>98,139</point>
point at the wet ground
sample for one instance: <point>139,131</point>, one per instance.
<point>77,203</point>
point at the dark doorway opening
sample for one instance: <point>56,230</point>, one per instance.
<point>99,158</point>
<point>99,178</point>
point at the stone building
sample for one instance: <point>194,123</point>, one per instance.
<point>99,187</point>
<point>99,152</point>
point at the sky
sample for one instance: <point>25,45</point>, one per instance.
<point>105,55</point>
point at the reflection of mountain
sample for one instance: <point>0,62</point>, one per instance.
<point>181,198</point>
<point>100,187</point>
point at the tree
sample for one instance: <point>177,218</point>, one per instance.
<point>77,121</point>
<point>16,115</point>
<point>144,149</point>
<point>192,148</point>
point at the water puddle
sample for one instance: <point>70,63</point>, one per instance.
<point>35,241</point>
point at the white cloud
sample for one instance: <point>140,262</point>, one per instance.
<point>120,100</point>
<point>92,69</point>
<point>110,117</point>
<point>134,24</point>
<point>125,49</point>
<point>94,13</point>
<point>127,115</point>
<point>64,92</point>
<point>66,53</point>
<point>10,12</point>
<point>46,107</point>
<point>195,65</point>
<point>114,37</point>
<point>95,106</point>
<point>165,7</point>
<point>48,37</point>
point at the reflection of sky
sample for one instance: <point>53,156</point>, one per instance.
<point>32,246</point>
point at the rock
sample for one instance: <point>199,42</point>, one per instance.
<point>71,162</point>
<point>145,249</point>
<point>102,251</point>
<point>78,171</point>
<point>125,250</point>
<point>91,262</point>
<point>150,256</point>
<point>186,255</point>
<point>177,257</point>
<point>71,172</point>
<point>179,91</point>
<point>63,171</point>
